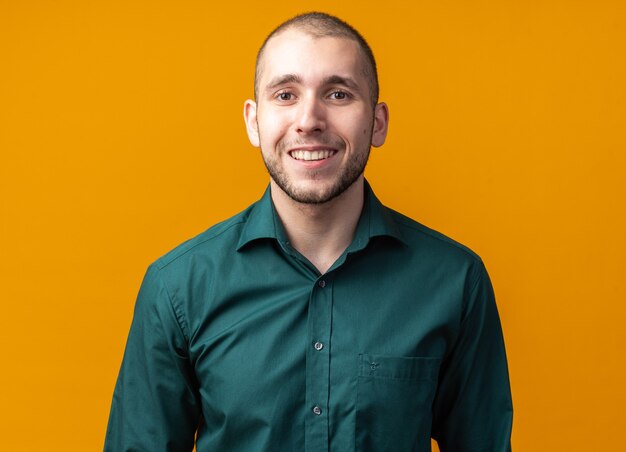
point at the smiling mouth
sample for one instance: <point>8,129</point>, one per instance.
<point>312,155</point>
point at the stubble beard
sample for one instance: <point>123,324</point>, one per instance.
<point>347,176</point>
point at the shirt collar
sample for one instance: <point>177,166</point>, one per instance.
<point>375,221</point>
<point>262,222</point>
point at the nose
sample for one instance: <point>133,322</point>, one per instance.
<point>311,116</point>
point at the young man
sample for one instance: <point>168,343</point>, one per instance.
<point>317,319</point>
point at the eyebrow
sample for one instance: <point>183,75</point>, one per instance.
<point>330,80</point>
<point>339,80</point>
<point>283,80</point>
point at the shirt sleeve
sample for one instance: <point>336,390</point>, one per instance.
<point>473,410</point>
<point>155,403</point>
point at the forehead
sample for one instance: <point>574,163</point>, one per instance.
<point>311,58</point>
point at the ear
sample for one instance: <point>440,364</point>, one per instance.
<point>249,116</point>
<point>381,123</point>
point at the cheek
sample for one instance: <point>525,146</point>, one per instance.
<point>270,129</point>
<point>273,125</point>
<point>359,126</point>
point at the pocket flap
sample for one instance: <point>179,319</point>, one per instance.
<point>399,367</point>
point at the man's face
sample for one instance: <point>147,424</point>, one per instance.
<point>313,118</point>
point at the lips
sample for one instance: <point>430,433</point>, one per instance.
<point>312,155</point>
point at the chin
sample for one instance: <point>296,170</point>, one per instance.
<point>316,192</point>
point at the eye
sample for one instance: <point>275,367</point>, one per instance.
<point>339,95</point>
<point>284,95</point>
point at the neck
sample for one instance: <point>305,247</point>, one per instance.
<point>320,232</point>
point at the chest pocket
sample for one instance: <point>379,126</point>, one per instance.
<point>394,403</point>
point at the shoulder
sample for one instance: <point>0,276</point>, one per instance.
<point>223,235</point>
<point>444,258</point>
<point>434,244</point>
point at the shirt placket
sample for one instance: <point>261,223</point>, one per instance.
<point>318,365</point>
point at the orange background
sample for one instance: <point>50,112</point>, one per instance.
<point>121,135</point>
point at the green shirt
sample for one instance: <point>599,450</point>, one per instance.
<point>238,339</point>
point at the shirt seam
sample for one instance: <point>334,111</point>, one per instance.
<point>440,237</point>
<point>471,293</point>
<point>181,323</point>
<point>163,261</point>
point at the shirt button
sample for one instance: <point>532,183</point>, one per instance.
<point>318,346</point>
<point>317,410</point>
<point>321,283</point>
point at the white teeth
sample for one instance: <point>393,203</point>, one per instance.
<point>311,155</point>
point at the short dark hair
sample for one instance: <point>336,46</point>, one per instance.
<point>322,25</point>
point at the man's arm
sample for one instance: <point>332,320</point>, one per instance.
<point>473,410</point>
<point>155,404</point>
